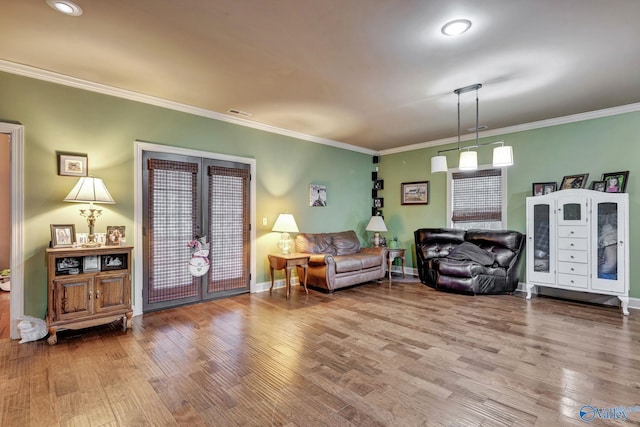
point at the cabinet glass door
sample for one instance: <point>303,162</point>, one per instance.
<point>608,274</point>
<point>541,245</point>
<point>572,211</point>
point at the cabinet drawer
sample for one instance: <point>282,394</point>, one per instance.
<point>572,256</point>
<point>573,231</point>
<point>573,281</point>
<point>573,244</point>
<point>573,268</point>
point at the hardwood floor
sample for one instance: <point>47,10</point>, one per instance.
<point>372,355</point>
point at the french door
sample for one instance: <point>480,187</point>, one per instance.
<point>184,198</point>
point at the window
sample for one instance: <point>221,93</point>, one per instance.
<point>476,199</point>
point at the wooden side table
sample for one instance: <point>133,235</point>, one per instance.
<point>392,254</point>
<point>287,262</point>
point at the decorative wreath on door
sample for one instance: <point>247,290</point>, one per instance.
<point>199,262</point>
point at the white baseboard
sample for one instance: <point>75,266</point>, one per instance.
<point>264,286</point>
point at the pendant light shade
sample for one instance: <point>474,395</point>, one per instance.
<point>439,164</point>
<point>468,161</point>
<point>502,156</point>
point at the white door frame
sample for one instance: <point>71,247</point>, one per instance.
<point>16,300</point>
<point>141,146</point>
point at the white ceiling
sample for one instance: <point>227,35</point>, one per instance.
<point>377,74</point>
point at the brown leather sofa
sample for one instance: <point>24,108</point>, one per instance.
<point>337,260</point>
<point>472,261</point>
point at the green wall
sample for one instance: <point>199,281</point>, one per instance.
<point>596,146</point>
<point>60,118</point>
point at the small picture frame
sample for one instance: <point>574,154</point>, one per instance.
<point>542,188</point>
<point>113,262</point>
<point>317,195</point>
<point>72,164</point>
<point>378,184</point>
<point>91,263</point>
<point>62,235</point>
<point>598,185</point>
<point>616,182</point>
<point>68,265</point>
<point>414,193</point>
<point>115,235</point>
<point>378,202</point>
<point>574,181</point>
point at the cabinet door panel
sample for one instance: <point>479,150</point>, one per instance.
<point>609,256</point>
<point>112,292</point>
<point>73,297</point>
<point>540,242</point>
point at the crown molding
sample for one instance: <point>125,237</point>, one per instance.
<point>52,77</point>
<point>520,128</point>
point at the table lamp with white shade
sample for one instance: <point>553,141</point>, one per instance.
<point>90,190</point>
<point>285,224</point>
<point>377,225</point>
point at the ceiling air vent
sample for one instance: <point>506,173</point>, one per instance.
<point>238,112</point>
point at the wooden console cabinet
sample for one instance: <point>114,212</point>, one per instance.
<point>88,287</point>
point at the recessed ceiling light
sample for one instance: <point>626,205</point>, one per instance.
<point>456,27</point>
<point>65,6</point>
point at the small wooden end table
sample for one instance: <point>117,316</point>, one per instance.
<point>392,254</point>
<point>287,262</point>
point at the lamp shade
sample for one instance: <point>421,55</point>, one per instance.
<point>285,223</point>
<point>376,223</point>
<point>438,164</point>
<point>502,156</point>
<point>468,161</point>
<point>89,189</point>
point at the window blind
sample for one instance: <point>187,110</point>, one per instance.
<point>228,228</point>
<point>173,223</point>
<point>477,196</point>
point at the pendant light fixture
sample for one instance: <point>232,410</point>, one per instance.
<point>502,156</point>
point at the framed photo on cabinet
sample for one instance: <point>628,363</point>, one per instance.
<point>616,182</point>
<point>574,181</point>
<point>62,236</point>
<point>542,188</point>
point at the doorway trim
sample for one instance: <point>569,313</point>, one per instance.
<point>141,146</point>
<point>16,300</point>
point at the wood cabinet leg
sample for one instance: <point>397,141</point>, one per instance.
<point>53,335</point>
<point>126,321</point>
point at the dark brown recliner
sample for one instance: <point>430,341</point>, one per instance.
<point>472,261</point>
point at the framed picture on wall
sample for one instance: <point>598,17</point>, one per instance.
<point>72,164</point>
<point>415,193</point>
<point>317,195</point>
